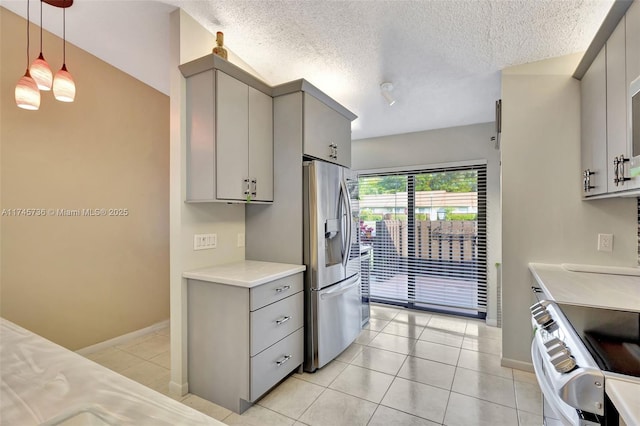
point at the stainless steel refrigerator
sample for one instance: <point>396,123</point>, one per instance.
<point>332,256</point>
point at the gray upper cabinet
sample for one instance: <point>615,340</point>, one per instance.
<point>633,72</point>
<point>244,141</point>
<point>327,133</point>
<point>594,127</point>
<point>261,143</point>
<point>616,102</point>
<point>229,133</point>
<point>606,148</point>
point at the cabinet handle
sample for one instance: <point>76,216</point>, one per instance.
<point>247,190</point>
<point>283,360</point>
<point>282,320</point>
<point>618,166</point>
<point>586,180</point>
<point>254,187</point>
<point>283,288</point>
<point>333,151</point>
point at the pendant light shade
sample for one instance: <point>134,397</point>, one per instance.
<point>64,88</point>
<point>41,73</point>
<point>27,93</point>
<point>40,69</point>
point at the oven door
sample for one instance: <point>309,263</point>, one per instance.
<point>555,411</point>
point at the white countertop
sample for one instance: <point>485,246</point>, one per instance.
<point>608,291</point>
<point>44,382</point>
<point>625,395</point>
<point>246,273</point>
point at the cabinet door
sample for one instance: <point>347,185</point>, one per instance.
<point>616,102</point>
<point>200,137</point>
<point>633,42</point>
<point>594,124</point>
<point>633,72</point>
<point>327,134</point>
<point>261,144</point>
<point>232,149</point>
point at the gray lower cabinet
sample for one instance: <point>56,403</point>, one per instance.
<point>243,341</point>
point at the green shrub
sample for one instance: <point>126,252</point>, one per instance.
<point>367,216</point>
<point>461,216</point>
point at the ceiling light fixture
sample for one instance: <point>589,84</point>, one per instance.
<point>64,88</point>
<point>40,70</point>
<point>27,93</point>
<point>386,89</point>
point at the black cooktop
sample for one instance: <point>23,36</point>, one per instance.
<point>615,354</point>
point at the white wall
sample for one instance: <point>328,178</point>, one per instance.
<point>190,41</point>
<point>445,146</point>
<point>543,216</point>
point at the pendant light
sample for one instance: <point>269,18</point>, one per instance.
<point>40,70</point>
<point>64,89</point>
<point>27,93</point>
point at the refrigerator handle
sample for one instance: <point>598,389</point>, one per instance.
<point>347,206</point>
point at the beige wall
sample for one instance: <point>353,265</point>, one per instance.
<point>82,280</point>
<point>440,146</point>
<point>544,217</point>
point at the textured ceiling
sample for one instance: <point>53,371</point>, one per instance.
<point>443,57</point>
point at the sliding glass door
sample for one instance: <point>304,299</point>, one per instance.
<point>427,229</point>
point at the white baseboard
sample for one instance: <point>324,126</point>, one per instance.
<point>518,365</point>
<point>177,389</point>
<point>121,340</point>
<point>492,322</point>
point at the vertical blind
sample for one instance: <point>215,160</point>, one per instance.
<point>428,232</point>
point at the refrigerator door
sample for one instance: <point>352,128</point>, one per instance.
<point>327,224</point>
<point>338,320</point>
<point>351,189</point>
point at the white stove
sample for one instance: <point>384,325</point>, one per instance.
<point>569,377</point>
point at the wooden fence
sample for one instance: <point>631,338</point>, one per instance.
<point>437,243</point>
<point>439,240</point>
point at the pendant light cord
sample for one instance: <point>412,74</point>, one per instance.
<point>40,26</point>
<point>27,34</point>
<point>64,36</point>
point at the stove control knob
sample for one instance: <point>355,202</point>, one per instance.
<point>563,363</point>
<point>537,308</point>
<point>542,317</point>
<point>553,342</point>
<point>559,348</point>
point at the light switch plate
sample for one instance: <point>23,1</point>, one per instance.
<point>605,242</point>
<point>241,240</point>
<point>205,241</point>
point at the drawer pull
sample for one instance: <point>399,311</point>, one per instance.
<point>282,320</point>
<point>283,288</point>
<point>283,360</point>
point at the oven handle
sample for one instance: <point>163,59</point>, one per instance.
<point>547,390</point>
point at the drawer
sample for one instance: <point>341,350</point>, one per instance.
<point>275,321</point>
<point>274,363</point>
<point>273,291</point>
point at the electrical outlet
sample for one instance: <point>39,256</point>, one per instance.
<point>605,242</point>
<point>240,240</point>
<point>205,241</point>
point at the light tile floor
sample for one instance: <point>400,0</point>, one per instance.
<point>406,368</point>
